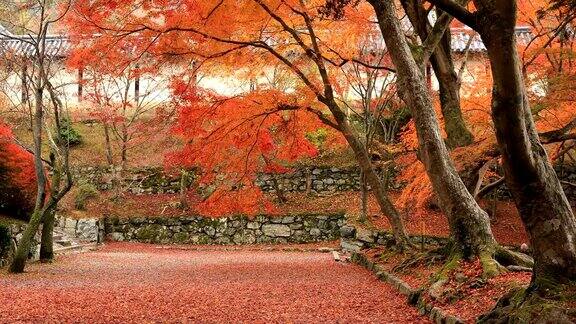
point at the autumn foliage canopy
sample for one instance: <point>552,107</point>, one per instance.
<point>17,177</point>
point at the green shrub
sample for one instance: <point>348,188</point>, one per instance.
<point>318,138</point>
<point>68,134</point>
<point>85,192</point>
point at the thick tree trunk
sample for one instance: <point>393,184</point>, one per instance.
<point>454,124</point>
<point>49,213</point>
<point>534,185</point>
<point>469,224</point>
<point>21,255</point>
<point>443,65</point>
<point>47,239</point>
<point>23,249</point>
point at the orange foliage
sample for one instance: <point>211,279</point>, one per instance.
<point>17,176</point>
<point>232,140</point>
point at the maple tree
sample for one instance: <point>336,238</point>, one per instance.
<point>47,106</point>
<point>289,32</point>
<point>132,112</point>
<point>17,177</point>
<point>261,132</point>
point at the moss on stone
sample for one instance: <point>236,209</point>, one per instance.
<point>522,305</point>
<point>149,233</point>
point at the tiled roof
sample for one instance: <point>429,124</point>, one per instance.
<point>461,36</point>
<point>56,46</point>
<point>59,46</point>
<point>4,31</point>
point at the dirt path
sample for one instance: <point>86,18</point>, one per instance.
<point>139,283</point>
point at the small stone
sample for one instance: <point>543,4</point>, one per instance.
<point>347,231</point>
<point>119,237</point>
<point>460,277</point>
<point>288,219</point>
<point>276,230</point>
<point>478,283</point>
<point>296,226</point>
<point>253,225</point>
<point>437,289</point>
<point>353,246</point>
<point>211,231</point>
<point>336,256</point>
<point>315,232</point>
<point>365,235</point>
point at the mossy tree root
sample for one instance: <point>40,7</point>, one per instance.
<point>493,260</point>
<point>511,258</point>
<point>521,305</point>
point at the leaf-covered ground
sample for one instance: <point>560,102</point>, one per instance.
<point>139,283</point>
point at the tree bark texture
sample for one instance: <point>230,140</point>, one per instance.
<point>469,224</point>
<point>529,174</point>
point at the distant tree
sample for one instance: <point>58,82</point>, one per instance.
<point>46,103</point>
<point>288,32</point>
<point>261,132</point>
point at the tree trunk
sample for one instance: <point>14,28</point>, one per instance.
<point>443,65</point>
<point>184,182</point>
<point>534,185</point>
<point>109,156</point>
<point>278,191</point>
<point>454,124</point>
<point>21,255</point>
<point>48,214</point>
<point>23,249</point>
<point>47,240</point>
<point>469,224</point>
<point>124,153</point>
<point>364,198</point>
<point>372,178</point>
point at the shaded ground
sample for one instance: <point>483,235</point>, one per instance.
<point>465,295</point>
<point>140,283</point>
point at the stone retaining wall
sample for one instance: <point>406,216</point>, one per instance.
<point>89,230</point>
<point>8,245</point>
<point>151,180</point>
<point>228,230</point>
<point>155,180</point>
<point>355,238</point>
<point>67,231</point>
<point>317,180</point>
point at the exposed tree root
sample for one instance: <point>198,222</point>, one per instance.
<point>528,306</point>
<point>418,258</point>
<point>510,258</point>
<point>493,261</point>
<point>452,279</point>
<point>490,266</point>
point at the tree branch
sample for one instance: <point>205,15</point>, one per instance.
<point>458,11</point>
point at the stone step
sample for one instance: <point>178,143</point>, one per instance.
<point>76,248</point>
<point>64,242</point>
<point>58,237</point>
